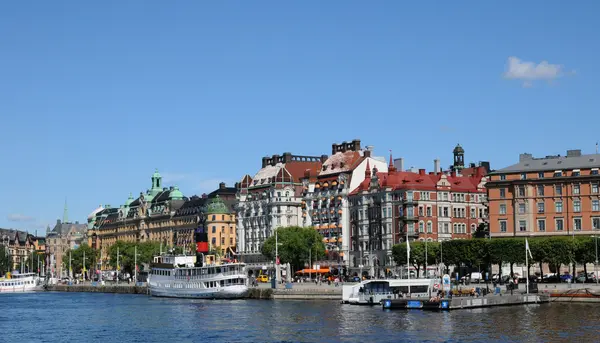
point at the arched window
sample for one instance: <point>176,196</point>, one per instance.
<point>429,227</point>
<point>473,228</point>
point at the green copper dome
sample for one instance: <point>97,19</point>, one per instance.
<point>129,200</point>
<point>217,206</point>
<point>156,174</point>
<point>175,194</point>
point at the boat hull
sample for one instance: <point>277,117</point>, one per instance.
<point>229,292</point>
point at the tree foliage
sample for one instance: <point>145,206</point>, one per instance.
<point>4,260</point>
<point>145,254</point>
<point>477,252</point>
<point>294,245</point>
<point>77,258</point>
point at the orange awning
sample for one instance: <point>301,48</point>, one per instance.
<point>313,271</point>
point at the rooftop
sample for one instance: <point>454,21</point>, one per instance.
<point>573,160</point>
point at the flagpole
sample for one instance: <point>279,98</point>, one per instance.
<point>527,265</point>
<point>408,261</point>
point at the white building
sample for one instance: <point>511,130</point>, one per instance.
<point>271,199</point>
<point>325,201</point>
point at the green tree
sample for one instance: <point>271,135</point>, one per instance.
<point>585,251</point>
<point>561,251</point>
<point>295,243</point>
<point>145,254</point>
<point>77,255</point>
<point>4,260</point>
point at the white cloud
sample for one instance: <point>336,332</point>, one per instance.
<point>528,72</point>
<point>18,217</point>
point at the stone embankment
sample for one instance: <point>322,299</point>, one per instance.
<point>124,289</point>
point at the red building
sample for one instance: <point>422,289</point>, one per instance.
<point>390,207</point>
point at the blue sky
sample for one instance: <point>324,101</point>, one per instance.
<point>95,96</point>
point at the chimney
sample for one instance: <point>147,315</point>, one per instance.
<point>222,185</point>
<point>525,157</point>
<point>367,153</point>
<point>421,171</point>
<point>453,174</point>
<point>399,164</point>
<point>265,161</point>
<point>323,158</point>
<point>287,157</point>
<point>436,165</point>
<point>356,143</point>
<point>275,160</point>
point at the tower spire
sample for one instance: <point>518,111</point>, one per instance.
<point>66,212</point>
<point>368,170</point>
<point>391,168</point>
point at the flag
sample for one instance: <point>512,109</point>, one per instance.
<point>527,248</point>
<point>407,251</point>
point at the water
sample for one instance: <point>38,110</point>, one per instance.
<point>87,317</point>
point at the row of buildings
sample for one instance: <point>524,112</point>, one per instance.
<point>363,204</point>
<point>23,249</point>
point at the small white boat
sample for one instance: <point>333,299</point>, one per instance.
<point>372,292</point>
<point>177,277</point>
<point>26,282</point>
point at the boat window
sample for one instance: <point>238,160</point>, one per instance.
<point>218,270</point>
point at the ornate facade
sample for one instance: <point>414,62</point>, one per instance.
<point>271,199</point>
<point>21,246</point>
<point>391,207</point>
<point>161,214</point>
<point>325,196</point>
<point>221,225</point>
<point>64,236</point>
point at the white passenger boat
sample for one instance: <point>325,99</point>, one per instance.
<point>177,276</point>
<point>372,292</point>
<point>26,282</point>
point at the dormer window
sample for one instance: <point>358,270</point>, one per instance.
<point>576,172</point>
<point>557,173</point>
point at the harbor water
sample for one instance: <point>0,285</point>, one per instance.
<point>95,317</point>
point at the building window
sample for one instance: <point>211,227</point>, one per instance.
<point>214,240</point>
<point>576,189</point>
<point>540,207</point>
<point>523,176</point>
<point>521,208</point>
<point>522,225</point>
<point>420,211</point>
<point>503,226</point>
<point>429,227</point>
<point>502,177</point>
<point>214,217</point>
<point>428,211</point>
<point>446,227</point>
<point>558,207</point>
<point>595,205</point>
<point>577,224</point>
<point>595,223</point>
<point>594,188</point>
<point>541,175</point>
<point>421,227</point>
<point>558,173</point>
<point>222,240</point>
<point>576,206</point>
<point>214,229</point>
<point>558,189</point>
<point>595,171</point>
<point>540,190</point>
<point>521,191</point>
<point>541,223</point>
<point>559,224</point>
<point>502,193</point>
<point>576,173</point>
<point>502,208</point>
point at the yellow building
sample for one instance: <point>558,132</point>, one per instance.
<point>220,221</point>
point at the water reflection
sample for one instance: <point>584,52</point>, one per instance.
<point>105,317</point>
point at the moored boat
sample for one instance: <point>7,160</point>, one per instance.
<point>181,277</point>
<point>15,283</point>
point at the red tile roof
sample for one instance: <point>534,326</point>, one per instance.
<point>422,181</point>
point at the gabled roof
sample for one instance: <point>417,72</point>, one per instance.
<point>397,180</point>
<point>340,162</point>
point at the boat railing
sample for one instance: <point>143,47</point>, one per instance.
<point>209,276</point>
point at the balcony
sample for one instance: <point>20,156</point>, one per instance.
<point>409,218</point>
<point>408,201</point>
